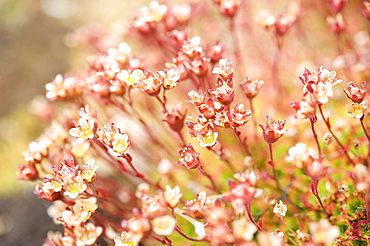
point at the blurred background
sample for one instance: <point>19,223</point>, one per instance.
<point>33,50</point>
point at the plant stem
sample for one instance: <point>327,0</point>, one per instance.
<point>254,119</point>
<point>312,121</point>
<point>327,123</point>
<point>272,164</point>
<point>366,134</point>
<point>248,211</point>
<point>242,142</point>
<point>186,236</point>
<point>128,159</point>
<point>367,207</point>
<point>315,191</point>
<point>214,187</point>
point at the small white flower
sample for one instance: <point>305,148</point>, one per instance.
<point>164,225</point>
<point>280,209</point>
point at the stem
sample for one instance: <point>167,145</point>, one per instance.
<point>186,236</point>
<point>272,164</point>
<point>242,142</point>
<point>162,102</point>
<point>248,211</point>
<point>222,157</point>
<point>315,191</point>
<point>140,119</point>
<point>327,123</point>
<point>367,135</point>
<point>214,187</point>
<point>181,139</point>
<point>312,121</point>
<point>367,206</point>
<point>164,241</point>
<point>254,119</point>
<point>128,159</point>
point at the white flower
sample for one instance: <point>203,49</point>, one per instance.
<point>163,225</point>
<point>280,209</point>
<point>242,228</point>
<point>323,231</point>
<point>172,196</point>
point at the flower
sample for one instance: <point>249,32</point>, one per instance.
<point>74,187</point>
<point>356,93</point>
<point>189,158</point>
<point>238,116</point>
<point>338,5</point>
<point>72,218</point>
<point>172,196</point>
<point>150,84</point>
<point>318,169</point>
<point>196,98</point>
<point>155,12</point>
<point>131,78</point>
<point>86,126</point>
<point>63,88</point>
<point>170,78</point>
<point>355,110</point>
<point>242,228</point>
<point>280,209</point>
<point>88,171</point>
<point>27,172</point>
<point>319,83</point>
<point>114,138</point>
<point>36,151</point>
<point>124,240</point>
<point>323,231</point>
<point>84,130</point>
<point>87,235</point>
<point>306,108</point>
<point>300,155</point>
<point>328,138</point>
<point>229,8</point>
<point>336,23</point>
<point>268,239</point>
<point>208,140</point>
<point>223,93</point>
<point>175,119</point>
<point>272,130</point>
<point>153,206</point>
<point>120,142</point>
<point>163,225</point>
<point>251,87</point>
<point>225,69</point>
<point>192,47</point>
<point>343,188</point>
<point>88,204</point>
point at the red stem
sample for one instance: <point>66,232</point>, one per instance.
<point>312,121</point>
<point>249,214</point>
<point>272,164</point>
<point>315,191</point>
<point>327,123</point>
<point>186,236</point>
<point>214,187</point>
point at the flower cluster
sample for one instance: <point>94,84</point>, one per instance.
<point>158,148</point>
